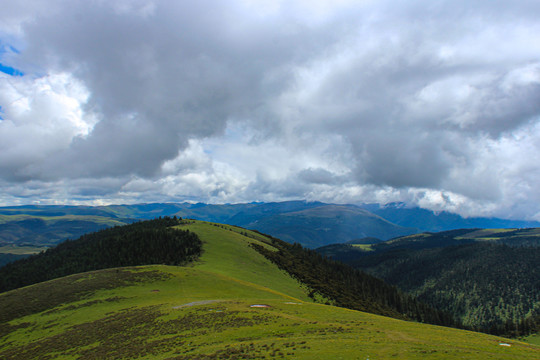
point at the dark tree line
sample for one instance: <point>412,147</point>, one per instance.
<point>348,287</point>
<point>141,243</point>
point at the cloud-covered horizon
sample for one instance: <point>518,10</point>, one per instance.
<point>433,103</point>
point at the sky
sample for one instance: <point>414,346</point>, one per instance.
<point>431,103</point>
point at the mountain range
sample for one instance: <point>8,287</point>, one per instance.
<point>312,224</point>
<point>427,220</point>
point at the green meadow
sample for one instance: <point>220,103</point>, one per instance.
<point>532,339</point>
<point>21,250</point>
<point>230,304</point>
<point>363,247</point>
<point>53,219</point>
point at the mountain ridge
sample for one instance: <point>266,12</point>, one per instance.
<point>46,225</point>
<point>436,221</point>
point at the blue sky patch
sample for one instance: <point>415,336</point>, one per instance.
<point>7,48</point>
<point>11,48</point>
<point>10,71</point>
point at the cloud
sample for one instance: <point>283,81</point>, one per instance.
<point>433,103</point>
<point>159,74</point>
<point>41,118</point>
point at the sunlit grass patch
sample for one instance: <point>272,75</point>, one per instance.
<point>532,339</point>
<point>363,247</point>
<point>228,253</point>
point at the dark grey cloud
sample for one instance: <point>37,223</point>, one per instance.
<point>319,176</point>
<point>163,75</point>
<point>410,89</point>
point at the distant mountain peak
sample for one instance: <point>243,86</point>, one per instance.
<point>396,205</point>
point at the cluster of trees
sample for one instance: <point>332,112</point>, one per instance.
<point>347,287</point>
<point>141,243</point>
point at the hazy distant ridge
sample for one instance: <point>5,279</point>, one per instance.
<point>312,224</point>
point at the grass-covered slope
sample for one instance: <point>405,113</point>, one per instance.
<point>228,252</point>
<point>183,313</point>
<point>206,311</point>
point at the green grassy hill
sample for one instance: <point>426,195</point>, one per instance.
<point>232,303</point>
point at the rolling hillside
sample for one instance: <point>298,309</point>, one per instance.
<point>232,303</point>
<point>161,241</point>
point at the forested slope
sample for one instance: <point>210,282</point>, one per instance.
<point>489,285</point>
